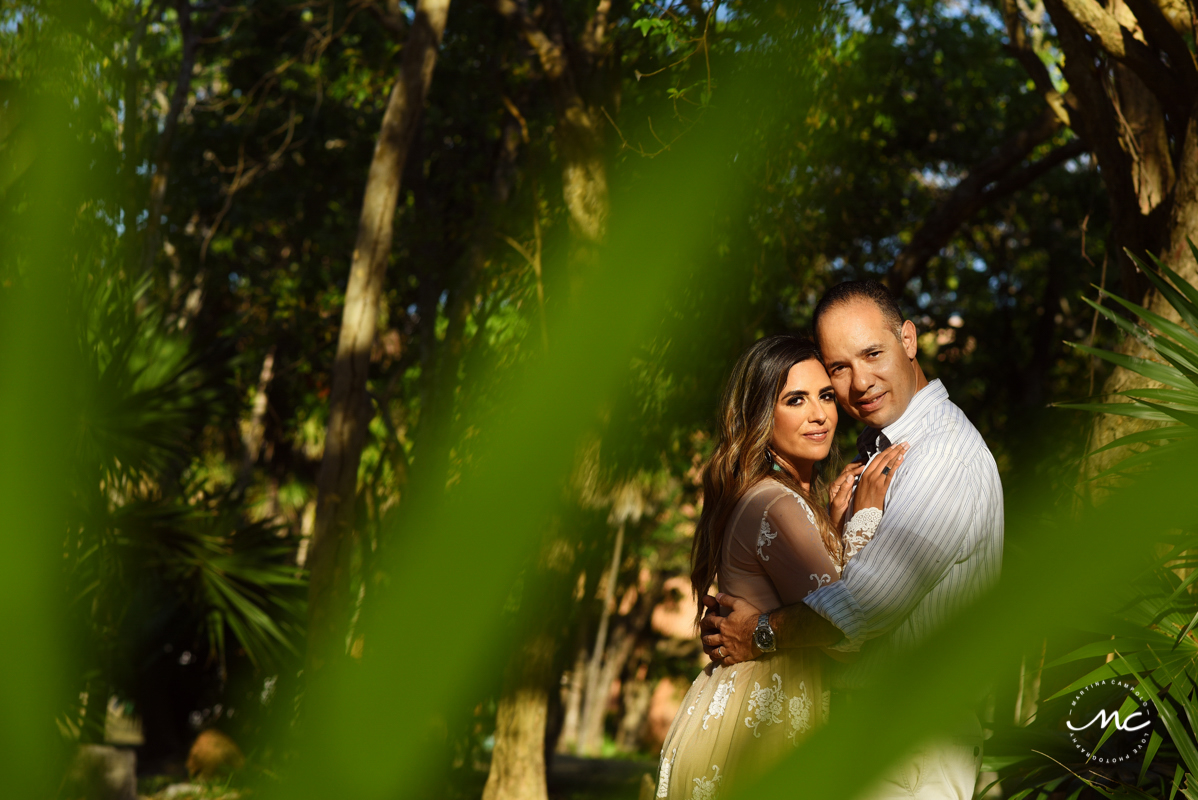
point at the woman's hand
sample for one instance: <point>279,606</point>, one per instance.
<point>871,489</point>
<point>841,492</point>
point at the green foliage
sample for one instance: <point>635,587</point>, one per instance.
<point>1152,617</point>
<point>204,572</point>
<point>1172,361</point>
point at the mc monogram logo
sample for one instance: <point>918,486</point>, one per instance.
<point>1110,721</point>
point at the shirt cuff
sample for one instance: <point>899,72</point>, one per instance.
<point>835,603</point>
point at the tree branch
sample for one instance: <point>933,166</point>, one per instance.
<point>1026,175</point>
<point>992,180</point>
<point>1021,49</point>
<point>390,19</point>
<point>696,9</point>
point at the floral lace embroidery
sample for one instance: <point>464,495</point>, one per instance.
<point>800,713</point>
<point>825,702</point>
<point>860,530</point>
<point>820,580</point>
<point>802,502</point>
<point>705,789</point>
<point>768,702</point>
<point>765,537</point>
<point>663,780</point>
<point>719,699</point>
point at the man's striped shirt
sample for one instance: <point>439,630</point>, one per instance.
<point>939,544</point>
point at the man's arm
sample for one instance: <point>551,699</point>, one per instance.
<point>799,626</point>
<point>729,640</point>
<point>927,517</point>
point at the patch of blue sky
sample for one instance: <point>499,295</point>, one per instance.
<point>939,177</point>
<point>9,24</point>
<point>970,9</point>
<point>1082,163</point>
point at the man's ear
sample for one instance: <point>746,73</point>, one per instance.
<point>910,339</point>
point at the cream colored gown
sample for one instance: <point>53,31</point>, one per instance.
<point>738,720</point>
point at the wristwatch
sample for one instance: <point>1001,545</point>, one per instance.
<point>763,635</point>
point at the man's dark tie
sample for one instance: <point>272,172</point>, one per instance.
<point>871,445</point>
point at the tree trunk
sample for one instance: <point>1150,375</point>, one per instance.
<point>568,741</point>
<point>518,760</point>
<point>349,408</point>
<point>440,401</point>
<point>580,124</point>
<point>1133,86</point>
<point>131,127</point>
<point>638,694</point>
<point>584,169</point>
<point>1182,224</point>
<point>590,729</point>
<point>628,633</point>
<point>584,188</point>
<point>191,42</point>
<point>253,430</point>
<point>594,704</point>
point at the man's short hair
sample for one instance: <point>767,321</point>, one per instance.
<point>870,290</point>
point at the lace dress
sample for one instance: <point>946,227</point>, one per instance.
<point>737,720</point>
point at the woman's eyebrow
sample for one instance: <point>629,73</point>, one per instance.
<point>796,393</point>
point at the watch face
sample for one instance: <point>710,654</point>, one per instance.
<point>764,639</point>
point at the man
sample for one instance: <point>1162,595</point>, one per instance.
<point>938,547</point>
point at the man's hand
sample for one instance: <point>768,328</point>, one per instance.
<point>729,640</point>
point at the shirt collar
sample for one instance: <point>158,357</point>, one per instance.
<point>923,402</point>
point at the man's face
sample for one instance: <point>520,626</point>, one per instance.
<point>872,372</point>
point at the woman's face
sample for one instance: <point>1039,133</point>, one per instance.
<point>804,415</point>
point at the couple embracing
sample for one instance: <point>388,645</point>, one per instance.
<point>816,595</point>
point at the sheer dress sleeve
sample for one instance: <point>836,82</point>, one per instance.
<point>790,549</point>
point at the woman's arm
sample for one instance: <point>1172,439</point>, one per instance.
<point>791,551</point>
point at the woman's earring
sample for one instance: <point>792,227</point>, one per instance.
<point>769,456</point>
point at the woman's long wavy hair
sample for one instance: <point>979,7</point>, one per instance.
<point>740,459</point>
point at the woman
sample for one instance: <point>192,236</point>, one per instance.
<point>767,539</point>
